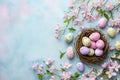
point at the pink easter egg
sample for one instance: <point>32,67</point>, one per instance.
<point>100,44</point>
<point>102,22</point>
<point>94,36</point>
<point>98,52</point>
<point>93,45</point>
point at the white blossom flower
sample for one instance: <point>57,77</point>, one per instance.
<point>115,66</point>
<point>52,78</point>
<point>110,73</point>
<point>66,75</point>
<point>67,65</point>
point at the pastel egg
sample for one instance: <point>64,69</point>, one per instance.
<point>80,67</point>
<point>100,44</point>
<point>86,41</point>
<point>98,52</point>
<point>91,53</point>
<point>70,52</point>
<point>111,32</point>
<point>94,36</point>
<point>69,37</point>
<point>117,45</point>
<point>84,50</point>
<point>93,45</point>
<point>102,22</point>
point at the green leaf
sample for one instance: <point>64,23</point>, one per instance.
<point>75,76</point>
<point>48,72</point>
<point>40,76</point>
<point>72,29</point>
<point>61,54</point>
<point>62,69</point>
<point>101,11</point>
<point>106,16</point>
<point>66,21</point>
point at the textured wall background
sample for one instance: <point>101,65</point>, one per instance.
<point>27,35</point>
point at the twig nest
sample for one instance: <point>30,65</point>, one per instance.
<point>117,45</point>
<point>94,36</point>
<point>102,22</point>
<point>111,32</point>
<point>86,41</point>
<point>97,51</point>
<point>91,52</point>
<point>70,52</point>
<point>69,37</point>
<point>80,67</point>
<point>100,44</point>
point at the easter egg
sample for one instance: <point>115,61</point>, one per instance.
<point>86,41</point>
<point>117,45</point>
<point>111,32</point>
<point>98,52</point>
<point>100,44</point>
<point>84,50</point>
<point>80,67</point>
<point>91,53</point>
<point>102,22</point>
<point>94,36</point>
<point>70,52</point>
<point>93,45</point>
<point>69,37</point>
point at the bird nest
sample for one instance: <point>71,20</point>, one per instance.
<point>91,59</point>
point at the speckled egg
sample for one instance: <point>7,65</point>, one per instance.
<point>93,45</point>
<point>84,50</point>
<point>69,37</point>
<point>100,44</point>
<point>86,41</point>
<point>70,52</point>
<point>91,53</point>
<point>98,52</point>
<point>94,36</point>
<point>80,67</point>
<point>117,45</point>
<point>111,32</point>
<point>102,22</point>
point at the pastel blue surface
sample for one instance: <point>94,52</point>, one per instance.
<point>27,36</point>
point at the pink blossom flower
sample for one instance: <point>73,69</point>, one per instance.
<point>98,4</point>
<point>52,68</point>
<point>102,78</point>
<point>90,17</point>
<point>100,72</point>
<point>40,70</point>
<point>82,5</point>
<point>35,66</point>
<point>110,73</point>
<point>66,16</point>
<point>56,35</point>
<point>84,77</point>
<point>92,75</point>
<point>52,78</point>
<point>67,65</point>
<point>109,6</point>
<point>102,22</point>
<point>49,61</point>
<point>66,75</point>
<point>105,65</point>
<point>118,22</point>
<point>75,12</point>
<point>115,66</point>
<point>111,48</point>
<point>77,21</point>
<point>118,30</point>
<point>118,57</point>
<point>57,27</point>
<point>112,22</point>
<point>71,4</point>
<point>70,52</point>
